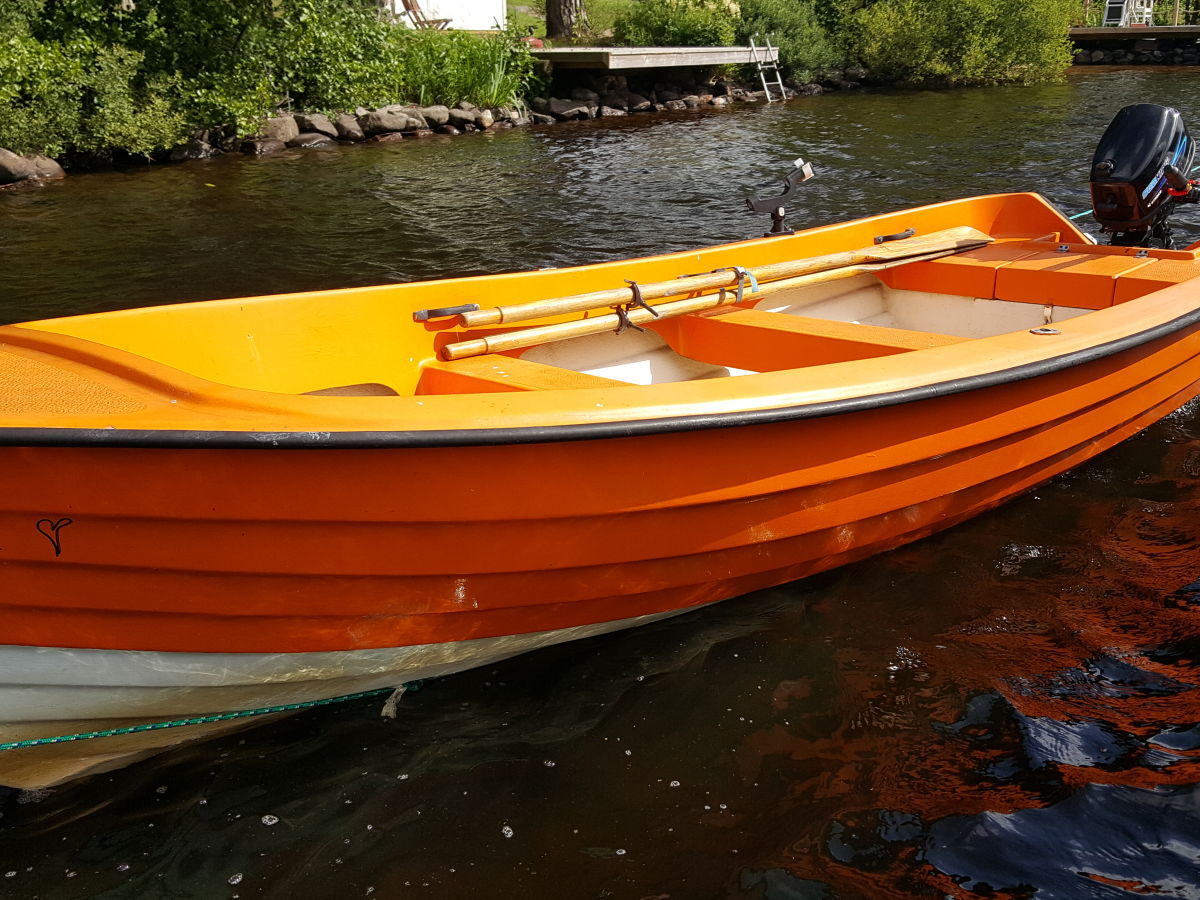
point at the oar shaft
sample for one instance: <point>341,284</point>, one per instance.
<point>529,337</point>
<point>547,334</point>
<point>537,309</point>
<point>949,239</point>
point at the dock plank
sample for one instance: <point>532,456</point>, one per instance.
<point>617,58</point>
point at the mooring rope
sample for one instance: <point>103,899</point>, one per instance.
<point>197,720</point>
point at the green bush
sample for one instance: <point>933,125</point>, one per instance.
<point>805,46</point>
<point>95,77</point>
<point>40,93</point>
<point>123,111</point>
<point>446,67</point>
<point>963,42</point>
<point>675,23</point>
<point>55,97</point>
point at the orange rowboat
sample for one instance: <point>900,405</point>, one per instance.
<point>219,506</point>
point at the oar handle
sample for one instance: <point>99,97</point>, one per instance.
<point>422,315</point>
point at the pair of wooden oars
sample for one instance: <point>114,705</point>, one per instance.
<point>772,279</point>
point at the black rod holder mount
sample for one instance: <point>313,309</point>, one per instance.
<point>777,206</point>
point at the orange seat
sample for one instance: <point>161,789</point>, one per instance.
<point>1159,274</point>
<point>969,274</point>
<point>1080,279</point>
<point>769,342</point>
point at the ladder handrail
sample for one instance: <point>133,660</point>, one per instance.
<point>770,64</point>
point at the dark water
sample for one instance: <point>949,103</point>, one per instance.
<point>1008,710</point>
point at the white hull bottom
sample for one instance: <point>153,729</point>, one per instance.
<point>50,691</point>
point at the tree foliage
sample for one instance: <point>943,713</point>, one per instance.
<point>676,23</point>
<point>102,75</point>
<point>806,45</point>
<point>962,42</point>
<point>937,43</point>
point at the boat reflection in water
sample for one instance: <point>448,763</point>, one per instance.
<point>1046,747</point>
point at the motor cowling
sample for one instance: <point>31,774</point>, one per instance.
<point>1139,174</point>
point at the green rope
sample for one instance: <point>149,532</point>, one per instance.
<point>195,720</point>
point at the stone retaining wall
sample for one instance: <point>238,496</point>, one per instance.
<point>1149,52</point>
<point>607,96</point>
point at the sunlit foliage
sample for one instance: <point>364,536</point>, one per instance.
<point>135,75</point>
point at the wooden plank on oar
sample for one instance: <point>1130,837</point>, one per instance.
<point>562,331</point>
<point>950,239</point>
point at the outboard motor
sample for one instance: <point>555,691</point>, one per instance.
<point>1139,175</point>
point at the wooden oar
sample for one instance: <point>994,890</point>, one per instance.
<point>952,239</point>
<point>562,331</point>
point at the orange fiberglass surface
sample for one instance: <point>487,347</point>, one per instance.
<point>215,506</point>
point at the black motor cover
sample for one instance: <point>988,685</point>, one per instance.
<point>1128,178</point>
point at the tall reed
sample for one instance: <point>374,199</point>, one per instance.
<point>448,67</point>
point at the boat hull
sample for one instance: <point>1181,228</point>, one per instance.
<point>302,565</point>
<point>61,691</point>
<point>168,589</point>
<point>272,551</point>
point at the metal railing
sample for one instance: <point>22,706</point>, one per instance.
<point>1166,12</point>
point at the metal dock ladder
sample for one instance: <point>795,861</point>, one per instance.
<point>768,66</point>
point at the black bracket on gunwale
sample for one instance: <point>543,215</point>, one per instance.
<point>777,206</point>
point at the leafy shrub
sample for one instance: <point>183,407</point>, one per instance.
<point>963,42</point>
<point>793,26</point>
<point>675,23</point>
<point>40,91</point>
<point>93,76</point>
<point>602,17</point>
<point>446,67</point>
<point>54,97</point>
<point>121,110</point>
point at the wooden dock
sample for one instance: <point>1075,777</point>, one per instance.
<point>625,58</point>
<point>1135,33</point>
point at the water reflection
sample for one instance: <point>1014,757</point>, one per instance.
<point>1005,710</point>
<point>1045,743</point>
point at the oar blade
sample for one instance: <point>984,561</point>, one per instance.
<point>960,238</point>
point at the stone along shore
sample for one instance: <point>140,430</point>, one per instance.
<point>611,98</point>
<point>399,122</point>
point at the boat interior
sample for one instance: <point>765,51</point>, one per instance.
<point>974,294</point>
<point>1035,271</point>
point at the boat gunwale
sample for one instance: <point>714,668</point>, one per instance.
<point>24,436</point>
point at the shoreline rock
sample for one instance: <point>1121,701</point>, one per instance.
<point>311,139</point>
<point>1155,52</point>
<point>601,97</point>
<point>262,146</point>
<point>348,128</point>
<point>316,123</point>
<point>15,168</point>
<point>280,128</point>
